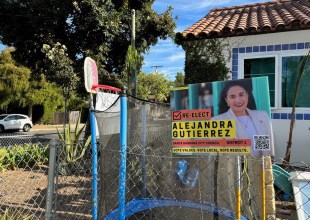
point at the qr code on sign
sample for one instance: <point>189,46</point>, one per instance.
<point>261,142</point>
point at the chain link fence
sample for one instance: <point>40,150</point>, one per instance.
<point>25,164</point>
<point>50,180</point>
<point>162,186</point>
<point>12,139</point>
<point>23,177</point>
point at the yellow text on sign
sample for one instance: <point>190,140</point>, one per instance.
<point>204,129</point>
<point>213,150</point>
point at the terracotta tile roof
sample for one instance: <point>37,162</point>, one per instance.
<point>259,18</point>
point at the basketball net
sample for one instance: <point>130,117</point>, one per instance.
<point>106,97</point>
<point>107,111</point>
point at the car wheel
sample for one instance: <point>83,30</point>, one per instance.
<point>1,128</point>
<point>26,128</point>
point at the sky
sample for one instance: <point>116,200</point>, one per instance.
<point>170,56</point>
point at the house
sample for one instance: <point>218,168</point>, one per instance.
<point>268,39</point>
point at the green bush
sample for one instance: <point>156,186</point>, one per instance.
<point>26,156</point>
<point>3,153</point>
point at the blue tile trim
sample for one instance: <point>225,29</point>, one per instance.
<point>235,62</point>
<point>283,115</point>
<point>276,115</point>
<point>265,48</point>
<point>300,46</point>
<point>262,48</point>
<point>299,116</point>
<point>292,46</point>
<point>277,47</point>
<point>285,46</point>
<point>306,116</point>
<point>287,116</point>
<point>256,49</point>
<point>269,47</point>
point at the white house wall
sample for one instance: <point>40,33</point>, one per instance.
<point>277,44</point>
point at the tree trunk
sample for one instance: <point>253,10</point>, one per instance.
<point>30,107</point>
<point>301,69</point>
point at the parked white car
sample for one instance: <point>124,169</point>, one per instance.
<point>15,122</point>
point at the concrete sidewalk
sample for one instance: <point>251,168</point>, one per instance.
<point>40,127</point>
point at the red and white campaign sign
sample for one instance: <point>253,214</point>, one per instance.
<point>189,115</point>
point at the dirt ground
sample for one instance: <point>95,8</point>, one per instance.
<point>25,191</point>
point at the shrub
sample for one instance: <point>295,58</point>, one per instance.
<point>26,156</point>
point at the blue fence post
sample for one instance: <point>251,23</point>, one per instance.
<point>94,160</point>
<point>123,156</point>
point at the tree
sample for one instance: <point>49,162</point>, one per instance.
<point>100,29</point>
<point>179,79</point>
<point>133,62</point>
<point>13,80</point>
<point>43,93</point>
<point>153,84</point>
<point>18,89</point>
<point>205,61</point>
<point>60,69</point>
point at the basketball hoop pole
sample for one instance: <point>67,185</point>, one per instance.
<point>123,156</point>
<point>94,159</point>
<point>92,85</point>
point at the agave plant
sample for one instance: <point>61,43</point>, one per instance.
<point>11,214</point>
<point>73,147</point>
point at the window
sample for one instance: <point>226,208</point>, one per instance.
<point>20,117</point>
<point>10,118</point>
<point>290,67</point>
<point>262,67</point>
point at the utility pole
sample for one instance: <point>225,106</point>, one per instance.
<point>156,68</point>
<point>133,44</point>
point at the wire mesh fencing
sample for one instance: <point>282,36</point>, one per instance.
<point>11,139</point>
<point>25,165</point>
<point>72,188</point>
<point>23,180</point>
<point>159,185</point>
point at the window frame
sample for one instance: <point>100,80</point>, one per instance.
<point>278,55</point>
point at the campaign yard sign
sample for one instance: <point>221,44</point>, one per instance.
<point>225,117</point>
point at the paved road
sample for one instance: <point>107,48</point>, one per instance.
<point>41,134</point>
<point>35,135</point>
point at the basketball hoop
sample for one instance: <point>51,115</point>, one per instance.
<point>106,96</point>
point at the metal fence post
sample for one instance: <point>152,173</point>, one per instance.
<point>51,176</point>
